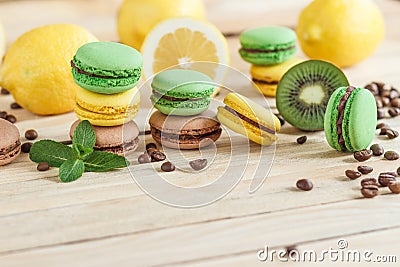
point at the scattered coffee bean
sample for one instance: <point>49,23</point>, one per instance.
<point>144,158</point>
<point>393,112</point>
<point>383,131</point>
<point>380,113</point>
<point>394,188</point>
<point>391,134</point>
<point>15,106</point>
<point>26,147</point>
<point>391,155</point>
<point>369,181</point>
<point>151,145</point>
<point>382,125</point>
<point>377,149</point>
<point>31,134</point>
<point>304,184</point>
<point>373,88</point>
<point>365,169</point>
<point>150,150</point>
<point>353,174</point>
<point>43,166</point>
<point>158,156</point>
<point>385,101</point>
<point>385,179</point>
<point>4,91</point>
<point>11,118</point>
<point>398,171</point>
<point>363,155</point>
<point>198,164</point>
<point>394,94</point>
<point>378,102</point>
<point>3,115</point>
<point>395,102</point>
<point>302,139</point>
<point>168,167</point>
<point>394,174</point>
<point>370,191</point>
<point>280,118</point>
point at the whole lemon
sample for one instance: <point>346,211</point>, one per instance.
<point>36,69</point>
<point>136,18</point>
<point>344,32</point>
<point>2,42</point>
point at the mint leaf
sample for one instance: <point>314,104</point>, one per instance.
<point>54,153</point>
<point>83,152</point>
<point>102,161</point>
<point>84,135</point>
<point>71,170</point>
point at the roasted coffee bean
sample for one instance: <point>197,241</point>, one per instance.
<point>382,125</point>
<point>158,156</point>
<point>398,171</point>
<point>151,150</point>
<point>151,145</point>
<point>395,102</point>
<point>31,134</point>
<point>380,85</point>
<point>3,115</point>
<point>15,106</point>
<point>351,174</point>
<point>394,187</point>
<point>380,114</point>
<point>365,169</point>
<point>11,118</point>
<point>26,147</point>
<point>363,155</point>
<point>301,140</point>
<point>370,191</point>
<point>394,174</point>
<point>391,155</point>
<point>385,179</point>
<point>393,112</point>
<point>304,184</point>
<point>4,91</point>
<point>198,164</point>
<point>386,93</point>
<point>144,158</point>
<point>378,102</point>
<point>383,131</point>
<point>369,181</point>
<point>168,167</point>
<point>373,88</point>
<point>377,149</point>
<point>391,134</point>
<point>43,166</point>
<point>280,118</point>
<point>385,101</point>
<point>393,94</point>
<point>386,87</point>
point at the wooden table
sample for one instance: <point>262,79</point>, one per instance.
<point>106,219</point>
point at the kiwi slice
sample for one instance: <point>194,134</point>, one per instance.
<point>304,91</point>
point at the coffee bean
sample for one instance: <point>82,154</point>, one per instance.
<point>383,131</point>
<point>382,125</point>
<point>43,166</point>
<point>15,106</point>
<point>11,118</point>
<point>198,164</point>
<point>385,179</point>
<point>394,174</point>
<point>144,158</point>
<point>385,101</point>
<point>280,118</point>
<point>4,91</point>
<point>386,93</point>
<point>26,147</point>
<point>365,169</point>
<point>391,155</point>
<point>393,94</point>
<point>391,134</point>
<point>370,191</point>
<point>168,167</point>
<point>150,150</point>
<point>398,171</point>
<point>393,112</point>
<point>151,145</point>
<point>3,115</point>
<point>158,156</point>
<point>380,113</point>
<point>304,184</point>
<point>369,181</point>
<point>377,149</point>
<point>378,102</point>
<point>302,139</point>
<point>380,86</point>
<point>363,155</point>
<point>373,88</point>
<point>394,187</point>
<point>31,134</point>
<point>353,174</point>
<point>395,102</point>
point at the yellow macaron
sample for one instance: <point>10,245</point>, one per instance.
<point>267,77</point>
<point>244,116</point>
<point>107,110</point>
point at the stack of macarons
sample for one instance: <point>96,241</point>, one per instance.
<point>182,98</point>
<point>107,73</point>
<point>271,51</point>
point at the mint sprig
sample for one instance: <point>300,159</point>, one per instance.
<point>74,161</point>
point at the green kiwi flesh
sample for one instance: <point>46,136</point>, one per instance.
<point>304,91</point>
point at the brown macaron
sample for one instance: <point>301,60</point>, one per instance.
<point>10,144</point>
<point>120,140</point>
<point>185,132</point>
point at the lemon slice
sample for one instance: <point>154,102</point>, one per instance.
<point>186,43</point>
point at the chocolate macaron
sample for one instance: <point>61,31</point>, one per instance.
<point>189,132</point>
<point>120,140</point>
<point>10,144</point>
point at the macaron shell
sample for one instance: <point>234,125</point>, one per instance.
<point>99,119</point>
<point>267,38</point>
<point>331,117</point>
<point>268,58</point>
<point>10,144</point>
<point>360,123</point>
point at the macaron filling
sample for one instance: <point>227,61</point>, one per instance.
<point>265,82</point>
<point>204,133</point>
<point>248,120</point>
<point>252,50</point>
<point>10,148</point>
<point>171,98</point>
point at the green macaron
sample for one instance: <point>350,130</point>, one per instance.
<point>107,67</point>
<point>350,119</point>
<point>268,45</point>
<point>181,92</point>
